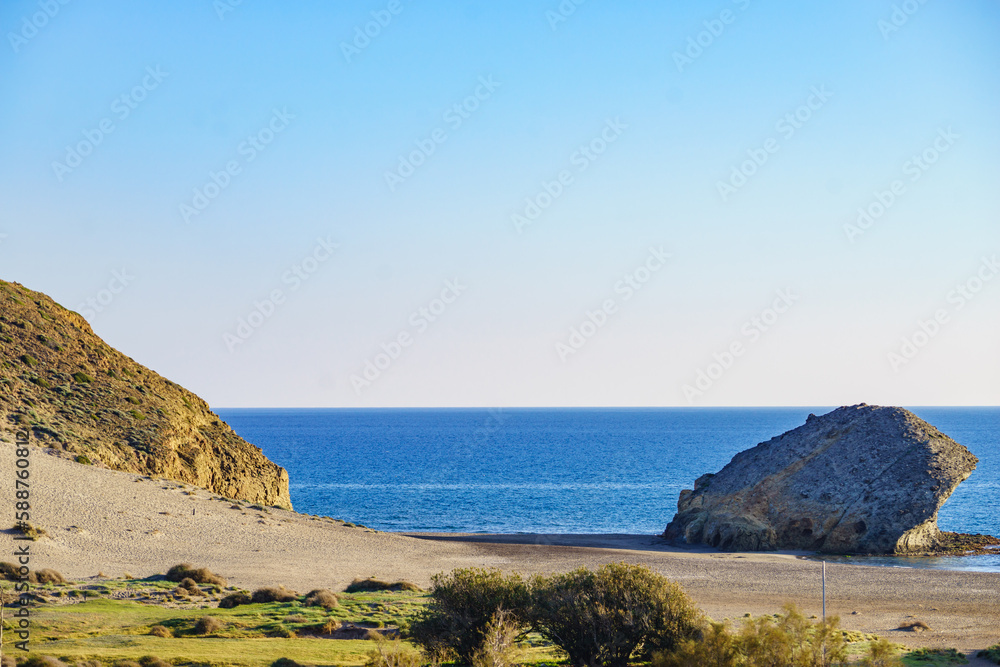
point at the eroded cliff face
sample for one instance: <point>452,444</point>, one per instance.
<point>88,401</point>
<point>860,479</point>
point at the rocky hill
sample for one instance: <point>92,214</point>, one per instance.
<point>860,479</point>
<point>89,402</point>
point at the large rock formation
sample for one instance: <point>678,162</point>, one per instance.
<point>90,402</point>
<point>861,479</point>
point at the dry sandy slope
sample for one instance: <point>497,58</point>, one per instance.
<point>112,522</point>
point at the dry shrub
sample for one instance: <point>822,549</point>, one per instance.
<point>201,575</point>
<point>9,571</point>
<point>88,663</point>
<point>8,661</point>
<point>285,662</point>
<point>373,584</point>
<point>914,626</point>
<point>273,594</point>
<point>153,661</point>
<point>48,576</point>
<point>392,654</point>
<point>43,661</point>
<point>160,631</point>
<point>295,618</point>
<point>126,663</point>
<point>189,586</point>
<point>234,600</point>
<point>321,597</point>
<point>206,625</point>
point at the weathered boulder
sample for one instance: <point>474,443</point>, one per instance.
<point>860,479</point>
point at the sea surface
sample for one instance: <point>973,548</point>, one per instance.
<point>573,470</point>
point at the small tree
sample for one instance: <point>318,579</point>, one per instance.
<point>461,607</point>
<point>601,618</point>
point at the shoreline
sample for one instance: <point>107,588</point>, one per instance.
<point>117,524</point>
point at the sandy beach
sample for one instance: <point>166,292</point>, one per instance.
<point>113,523</point>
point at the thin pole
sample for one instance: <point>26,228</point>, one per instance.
<point>824,591</point>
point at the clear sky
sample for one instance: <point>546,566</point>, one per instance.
<point>399,203</point>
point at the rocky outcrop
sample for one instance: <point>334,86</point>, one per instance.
<point>87,401</point>
<point>860,479</point>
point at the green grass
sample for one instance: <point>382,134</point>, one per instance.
<point>930,657</point>
<point>106,629</point>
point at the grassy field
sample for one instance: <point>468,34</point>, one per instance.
<point>120,619</point>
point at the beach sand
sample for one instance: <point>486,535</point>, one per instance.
<point>103,521</point>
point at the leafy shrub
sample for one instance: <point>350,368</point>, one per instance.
<point>373,584</point>
<point>82,378</point>
<point>234,600</point>
<point>206,625</point>
<point>603,617</point>
<point>788,639</point>
<point>273,594</point>
<point>499,647</point>
<point>29,360</point>
<point>461,606</point>
<point>392,654</point>
<point>321,597</point>
<point>201,575</point>
<point>881,653</point>
<point>160,631</point>
<point>84,460</point>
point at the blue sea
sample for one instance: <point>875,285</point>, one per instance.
<point>573,470</point>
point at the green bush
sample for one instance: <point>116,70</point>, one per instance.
<point>881,653</point>
<point>461,606</point>
<point>81,458</point>
<point>604,617</point>
<point>992,654</point>
<point>82,378</point>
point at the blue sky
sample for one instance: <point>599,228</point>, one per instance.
<point>207,183</point>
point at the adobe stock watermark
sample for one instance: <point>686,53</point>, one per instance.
<point>454,116</point>
<point>585,155</point>
<point>899,17</point>
<point>223,7</point>
<point>914,168</point>
<point>296,276</point>
<point>122,107</point>
<point>90,307</point>
<point>956,300</point>
<point>595,320</point>
<point>750,332</point>
<point>419,321</point>
<point>30,25</point>
<point>248,149</point>
<point>714,27</point>
<point>562,13</point>
<point>787,126</point>
<point>364,34</point>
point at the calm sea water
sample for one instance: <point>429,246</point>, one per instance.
<point>553,470</point>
